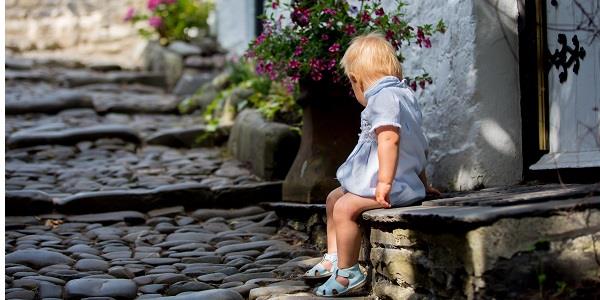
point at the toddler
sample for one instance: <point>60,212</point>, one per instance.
<point>385,169</point>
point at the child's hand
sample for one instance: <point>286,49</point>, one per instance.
<point>431,191</point>
<point>382,194</point>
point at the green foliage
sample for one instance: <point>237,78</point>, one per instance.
<point>170,20</point>
<point>270,98</point>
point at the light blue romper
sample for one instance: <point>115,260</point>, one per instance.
<point>389,102</point>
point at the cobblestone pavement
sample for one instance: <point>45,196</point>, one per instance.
<point>72,132</point>
<point>165,252</point>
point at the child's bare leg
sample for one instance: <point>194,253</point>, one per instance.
<point>345,215</point>
<point>332,198</point>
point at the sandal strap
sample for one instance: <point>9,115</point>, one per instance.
<point>330,257</point>
<point>347,271</point>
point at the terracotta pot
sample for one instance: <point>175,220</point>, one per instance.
<point>331,122</point>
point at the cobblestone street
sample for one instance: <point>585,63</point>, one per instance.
<point>111,223</point>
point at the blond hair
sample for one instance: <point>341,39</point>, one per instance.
<point>370,57</point>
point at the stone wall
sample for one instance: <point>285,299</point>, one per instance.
<point>502,260</point>
<point>85,30</point>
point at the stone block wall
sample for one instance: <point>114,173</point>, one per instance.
<point>502,260</point>
<point>85,30</point>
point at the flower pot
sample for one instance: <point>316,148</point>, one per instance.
<point>330,130</point>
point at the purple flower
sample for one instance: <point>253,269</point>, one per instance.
<point>298,50</point>
<point>153,4</point>
<point>422,84</point>
<point>427,43</point>
<point>260,39</point>
<point>294,64</point>
<point>129,14</point>
<point>329,11</point>
<point>389,35</point>
<point>303,40</point>
<point>379,12</point>
<point>324,37</point>
<point>350,29</point>
<point>300,16</point>
<point>334,48</point>
<point>365,17</point>
<point>413,85</point>
<point>155,21</point>
<point>331,64</point>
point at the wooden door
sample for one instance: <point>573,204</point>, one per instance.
<point>573,84</point>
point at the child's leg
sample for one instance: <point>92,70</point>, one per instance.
<point>345,215</point>
<point>332,198</point>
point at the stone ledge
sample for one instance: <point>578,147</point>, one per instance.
<point>473,215</point>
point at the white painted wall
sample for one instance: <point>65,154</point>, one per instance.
<point>472,110</point>
<point>235,24</point>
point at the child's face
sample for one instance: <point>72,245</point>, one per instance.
<point>358,89</point>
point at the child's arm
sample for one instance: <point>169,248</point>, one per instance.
<point>388,140</point>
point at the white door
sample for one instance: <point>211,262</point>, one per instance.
<point>573,35</point>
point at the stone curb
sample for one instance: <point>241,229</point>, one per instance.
<point>71,136</point>
<point>189,195</point>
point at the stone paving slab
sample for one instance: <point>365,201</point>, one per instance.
<point>128,254</point>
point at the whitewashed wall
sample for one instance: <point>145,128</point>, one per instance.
<point>472,109</point>
<point>235,24</point>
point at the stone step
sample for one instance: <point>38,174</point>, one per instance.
<point>196,136</point>
<point>189,195</point>
<point>28,138</point>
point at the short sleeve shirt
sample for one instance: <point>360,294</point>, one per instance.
<point>389,102</point>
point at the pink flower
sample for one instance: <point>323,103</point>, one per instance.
<point>379,12</point>
<point>153,4</point>
<point>303,40</point>
<point>294,64</point>
<point>324,37</point>
<point>334,48</point>
<point>331,64</point>
<point>329,11</point>
<point>350,29</point>
<point>155,21</point>
<point>129,14</point>
<point>298,50</point>
<point>316,64</point>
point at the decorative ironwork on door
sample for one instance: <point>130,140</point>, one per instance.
<point>573,75</point>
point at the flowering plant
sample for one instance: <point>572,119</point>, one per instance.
<point>312,41</point>
<point>172,19</point>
